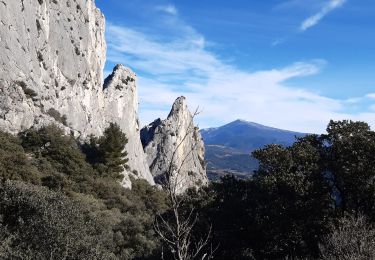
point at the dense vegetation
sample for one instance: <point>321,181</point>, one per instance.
<point>314,200</point>
<point>58,203</point>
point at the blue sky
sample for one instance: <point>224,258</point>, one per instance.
<point>292,64</point>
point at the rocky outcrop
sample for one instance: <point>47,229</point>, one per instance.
<point>52,55</point>
<point>121,107</point>
<point>176,141</point>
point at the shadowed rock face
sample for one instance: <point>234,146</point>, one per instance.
<point>176,140</point>
<point>52,55</point>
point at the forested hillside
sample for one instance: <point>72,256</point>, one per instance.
<point>60,199</point>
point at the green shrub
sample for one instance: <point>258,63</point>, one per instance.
<point>57,116</point>
<point>15,164</point>
<point>46,225</point>
<point>83,203</point>
<point>28,91</point>
<point>108,153</point>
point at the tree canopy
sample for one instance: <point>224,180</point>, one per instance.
<point>60,199</point>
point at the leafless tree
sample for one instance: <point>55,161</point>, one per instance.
<point>352,239</point>
<point>177,230</point>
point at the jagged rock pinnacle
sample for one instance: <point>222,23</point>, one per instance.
<point>176,140</point>
<point>179,106</point>
<point>120,76</point>
<point>121,107</point>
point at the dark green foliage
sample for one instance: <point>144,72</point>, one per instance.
<point>103,214</point>
<point>15,164</point>
<point>289,206</point>
<point>28,91</point>
<point>40,224</point>
<point>108,153</point>
<point>112,149</point>
<point>135,233</point>
<point>57,116</point>
<point>295,206</point>
<point>350,160</point>
<point>283,211</point>
<point>232,218</point>
<point>59,157</point>
<point>294,198</point>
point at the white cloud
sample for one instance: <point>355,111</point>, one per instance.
<point>183,66</point>
<point>169,9</point>
<point>316,18</point>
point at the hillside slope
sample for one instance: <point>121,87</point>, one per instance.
<point>229,147</point>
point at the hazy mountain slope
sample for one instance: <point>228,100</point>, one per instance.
<point>222,160</point>
<point>229,147</point>
<point>247,136</point>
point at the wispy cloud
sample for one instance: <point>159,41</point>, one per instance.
<point>182,65</point>
<point>169,9</point>
<point>278,42</point>
<point>299,4</point>
<point>316,18</point>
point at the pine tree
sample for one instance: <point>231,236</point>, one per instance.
<point>111,150</point>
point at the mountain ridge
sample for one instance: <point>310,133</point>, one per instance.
<point>229,147</point>
<point>242,121</point>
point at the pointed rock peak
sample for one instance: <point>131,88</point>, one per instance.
<point>176,140</point>
<point>179,106</point>
<point>120,75</point>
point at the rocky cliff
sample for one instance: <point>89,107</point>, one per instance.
<point>176,141</point>
<point>52,55</point>
<point>121,107</point>
<point>52,58</point>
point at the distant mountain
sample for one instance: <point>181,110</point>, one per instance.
<point>229,147</point>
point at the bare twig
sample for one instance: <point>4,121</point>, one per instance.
<point>177,231</point>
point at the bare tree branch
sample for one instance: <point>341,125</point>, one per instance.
<point>177,230</point>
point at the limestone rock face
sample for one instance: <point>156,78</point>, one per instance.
<point>176,140</point>
<point>121,107</point>
<point>52,56</point>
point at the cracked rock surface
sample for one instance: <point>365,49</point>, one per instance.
<point>52,56</point>
<point>176,141</point>
<point>121,107</point>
